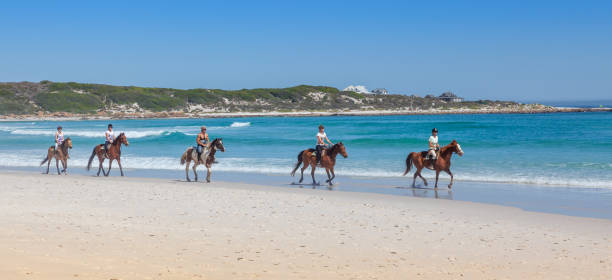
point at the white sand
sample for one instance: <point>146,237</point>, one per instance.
<point>76,227</point>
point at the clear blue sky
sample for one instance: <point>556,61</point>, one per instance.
<point>519,50</point>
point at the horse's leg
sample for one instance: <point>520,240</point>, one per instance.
<point>303,168</point>
<point>120,168</point>
<point>333,175</point>
<point>187,170</point>
<point>110,164</point>
<point>312,172</point>
<point>208,174</point>
<point>416,174</point>
<point>101,167</point>
<point>57,166</point>
<point>451,174</point>
<point>64,166</point>
<point>195,173</point>
<point>437,175</point>
<point>328,176</point>
<point>48,163</point>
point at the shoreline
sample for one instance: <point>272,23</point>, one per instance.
<point>63,116</point>
<point>572,201</point>
<point>80,227</point>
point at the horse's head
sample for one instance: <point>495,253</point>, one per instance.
<point>68,142</point>
<point>122,139</point>
<point>218,144</point>
<point>457,148</point>
<point>341,149</point>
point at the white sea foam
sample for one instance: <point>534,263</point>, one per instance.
<point>136,133</point>
<point>240,124</point>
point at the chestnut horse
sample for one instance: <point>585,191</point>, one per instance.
<point>60,155</point>
<point>114,153</point>
<point>442,163</point>
<point>328,160</point>
<point>191,154</point>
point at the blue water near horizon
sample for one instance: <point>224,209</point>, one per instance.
<point>558,152</point>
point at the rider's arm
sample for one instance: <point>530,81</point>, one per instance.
<point>431,145</point>
<point>207,140</point>
<point>330,142</point>
<point>56,137</point>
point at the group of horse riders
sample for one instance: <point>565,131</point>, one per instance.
<point>324,154</point>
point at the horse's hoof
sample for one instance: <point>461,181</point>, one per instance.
<point>207,181</point>
<point>450,186</point>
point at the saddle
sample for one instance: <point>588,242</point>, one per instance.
<point>202,156</point>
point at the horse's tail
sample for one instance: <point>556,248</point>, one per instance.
<point>184,156</point>
<point>408,163</point>
<point>297,165</point>
<point>45,159</point>
<point>93,154</point>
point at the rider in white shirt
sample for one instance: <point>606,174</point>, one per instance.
<point>109,136</point>
<point>59,138</point>
<point>433,144</point>
<point>321,138</point>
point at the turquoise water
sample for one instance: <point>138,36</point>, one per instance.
<point>551,150</point>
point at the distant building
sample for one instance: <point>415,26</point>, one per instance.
<point>358,89</point>
<point>450,97</point>
<point>380,91</point>
<point>431,96</point>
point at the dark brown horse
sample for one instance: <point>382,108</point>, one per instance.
<point>60,155</point>
<point>114,153</point>
<point>442,162</point>
<point>191,154</point>
<point>328,160</point>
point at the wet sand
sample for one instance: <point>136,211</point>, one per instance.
<point>80,227</point>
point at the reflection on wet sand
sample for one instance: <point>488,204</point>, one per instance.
<point>434,193</point>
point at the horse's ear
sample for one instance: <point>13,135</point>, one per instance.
<point>454,141</point>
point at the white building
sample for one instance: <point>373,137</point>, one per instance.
<point>358,89</point>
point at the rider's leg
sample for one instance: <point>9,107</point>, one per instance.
<point>199,149</point>
<point>319,152</point>
<point>106,147</point>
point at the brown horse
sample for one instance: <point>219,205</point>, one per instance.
<point>328,160</point>
<point>114,153</point>
<point>60,155</point>
<point>191,154</point>
<point>442,163</point>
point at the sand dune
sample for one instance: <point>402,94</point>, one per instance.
<point>78,227</point>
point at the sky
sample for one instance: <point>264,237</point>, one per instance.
<point>501,50</point>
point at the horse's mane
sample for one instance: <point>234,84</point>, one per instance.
<point>116,142</point>
<point>335,146</point>
<point>447,148</point>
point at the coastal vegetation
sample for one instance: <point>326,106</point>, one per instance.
<point>48,97</point>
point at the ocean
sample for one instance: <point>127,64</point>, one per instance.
<point>551,151</point>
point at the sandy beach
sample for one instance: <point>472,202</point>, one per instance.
<point>81,227</point>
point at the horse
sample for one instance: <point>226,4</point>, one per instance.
<point>60,155</point>
<point>114,153</point>
<point>191,154</point>
<point>328,160</point>
<point>442,163</point>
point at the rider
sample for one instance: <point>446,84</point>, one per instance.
<point>109,137</point>
<point>59,139</point>
<point>434,147</point>
<point>202,141</point>
<point>321,138</point>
